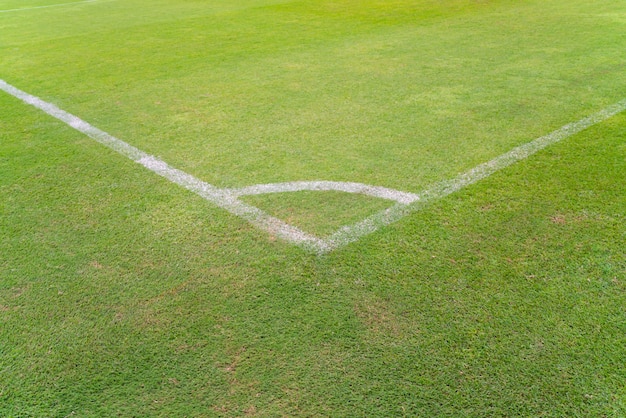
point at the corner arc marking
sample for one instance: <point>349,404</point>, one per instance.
<point>320,185</point>
<point>228,199</point>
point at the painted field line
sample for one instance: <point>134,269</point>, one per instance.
<point>48,6</point>
<point>228,199</point>
<point>322,186</point>
<point>442,189</point>
<point>220,197</point>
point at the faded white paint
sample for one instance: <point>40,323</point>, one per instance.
<point>228,199</point>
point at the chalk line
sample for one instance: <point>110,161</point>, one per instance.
<point>220,197</point>
<point>228,199</point>
<point>48,6</point>
<point>442,189</point>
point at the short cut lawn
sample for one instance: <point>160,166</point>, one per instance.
<point>122,294</point>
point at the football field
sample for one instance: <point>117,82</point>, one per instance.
<point>312,208</point>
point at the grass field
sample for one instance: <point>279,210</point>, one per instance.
<point>123,294</point>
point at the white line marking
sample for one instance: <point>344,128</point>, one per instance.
<point>442,189</point>
<point>221,197</point>
<point>47,6</point>
<point>228,199</point>
<point>340,186</point>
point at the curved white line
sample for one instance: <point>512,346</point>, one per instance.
<point>340,186</point>
<point>47,6</point>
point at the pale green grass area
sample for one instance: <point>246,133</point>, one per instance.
<point>297,92</point>
<point>26,4</point>
<point>122,294</point>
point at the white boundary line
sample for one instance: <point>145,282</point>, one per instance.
<point>439,190</point>
<point>228,199</point>
<point>222,198</point>
<point>47,6</point>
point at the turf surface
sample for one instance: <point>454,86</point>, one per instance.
<point>122,294</point>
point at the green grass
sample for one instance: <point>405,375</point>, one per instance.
<point>122,294</point>
<point>320,213</point>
